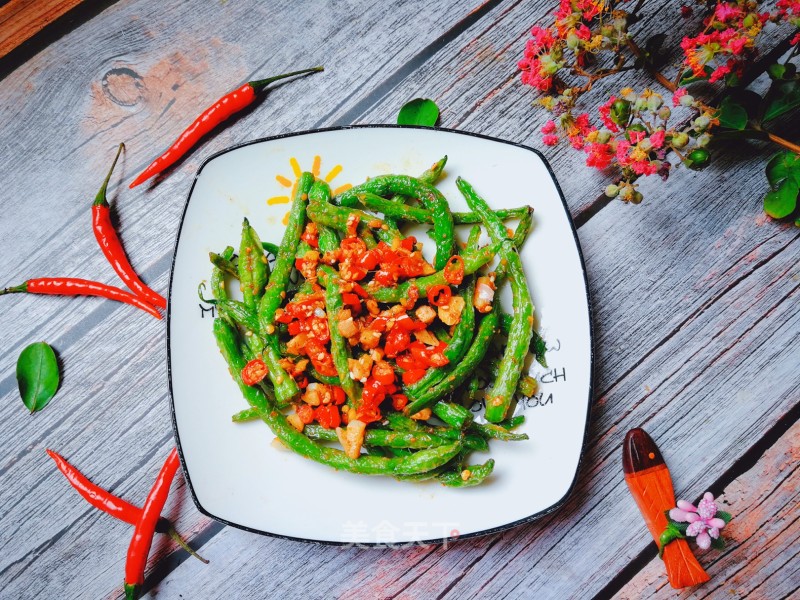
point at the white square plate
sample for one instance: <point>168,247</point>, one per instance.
<point>236,476</point>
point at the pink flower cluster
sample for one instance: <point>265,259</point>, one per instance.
<point>634,137</point>
<point>727,41</point>
<point>703,524</point>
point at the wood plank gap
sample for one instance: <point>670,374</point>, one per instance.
<point>743,464</point>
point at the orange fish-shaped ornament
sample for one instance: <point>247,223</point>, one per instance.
<point>650,484</point>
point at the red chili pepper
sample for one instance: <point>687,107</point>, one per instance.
<point>328,416</point>
<point>399,401</point>
<point>311,235</point>
<point>111,246</point>
<point>360,291</point>
<point>408,243</point>
<point>114,505</point>
<point>406,362</point>
<point>142,539</point>
<point>409,324</point>
<point>383,373</point>
<point>320,358</point>
<point>413,376</point>
<point>454,270</point>
<point>440,295</point>
<point>306,413</point>
<point>254,372</point>
<point>339,396</point>
<point>350,299</point>
<point>70,286</point>
<point>215,114</point>
<point>397,340</point>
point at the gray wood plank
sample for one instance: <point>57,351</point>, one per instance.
<point>761,559</point>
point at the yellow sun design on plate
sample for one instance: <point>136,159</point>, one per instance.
<point>292,184</point>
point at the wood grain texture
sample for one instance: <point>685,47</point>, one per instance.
<point>694,293</point>
<point>762,559</point>
<point>22,19</point>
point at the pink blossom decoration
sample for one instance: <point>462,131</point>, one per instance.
<point>550,140</point>
<point>676,97</point>
<point>703,525</point>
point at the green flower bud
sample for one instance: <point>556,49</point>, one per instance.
<point>640,104</point>
<point>620,112</point>
<point>701,123</point>
<point>749,20</point>
<point>698,159</point>
<point>637,198</point>
<point>612,190</point>
<point>703,140</point>
<point>664,113</point>
<point>603,136</point>
<point>572,41</point>
<point>679,140</point>
<point>654,102</point>
<point>686,100</point>
<point>626,193</point>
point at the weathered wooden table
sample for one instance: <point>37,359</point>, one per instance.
<point>695,305</point>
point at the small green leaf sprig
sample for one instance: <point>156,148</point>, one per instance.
<point>702,522</point>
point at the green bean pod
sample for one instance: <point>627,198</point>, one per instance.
<point>382,437</point>
<point>498,432</point>
<point>469,476</point>
<point>337,217</point>
<point>426,460</point>
<point>454,415</point>
<point>340,349</point>
<point>400,422</point>
<point>218,276</point>
<point>293,439</point>
<point>458,373</point>
<point>248,414</point>
<point>284,262</point>
<point>270,248</point>
<point>524,227</point>
<point>504,214</point>
<point>521,331</point>
<point>253,270</point>
<point>431,198</point>
<point>537,347</point>
<point>457,346</point>
<point>225,265</point>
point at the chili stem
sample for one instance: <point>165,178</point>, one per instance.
<point>260,84</point>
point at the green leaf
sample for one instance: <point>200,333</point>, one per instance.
<point>420,111</point>
<point>718,543</point>
<point>776,71</point>
<point>784,165</point>
<point>781,202</point>
<point>37,375</point>
<point>732,114</point>
<point>787,98</point>
<point>725,516</point>
<point>670,534</point>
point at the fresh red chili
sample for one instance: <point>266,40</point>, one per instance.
<point>254,372</point>
<point>440,295</point>
<point>111,246</point>
<point>113,505</point>
<point>454,270</point>
<point>142,539</point>
<point>397,340</point>
<point>320,358</point>
<point>215,114</point>
<point>70,286</point>
<point>399,401</point>
<point>328,416</point>
<point>413,376</point>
